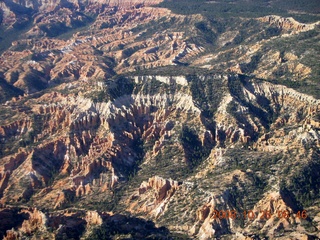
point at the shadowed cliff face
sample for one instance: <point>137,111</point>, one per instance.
<point>74,224</point>
<point>161,118</point>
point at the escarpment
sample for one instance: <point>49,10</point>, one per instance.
<point>83,150</point>
<point>159,119</point>
<point>287,23</point>
<point>91,157</point>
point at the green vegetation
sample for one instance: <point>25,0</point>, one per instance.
<point>62,31</point>
<point>154,86</point>
<point>262,110</point>
<point>195,152</point>
<point>37,127</point>
<point>311,6</point>
<point>154,26</point>
<point>207,92</point>
<point>5,114</point>
<point>246,189</point>
<point>49,168</point>
<point>168,163</point>
<point>247,159</point>
<point>134,228</point>
<point>206,31</point>
<point>307,48</point>
<point>7,91</point>
<point>304,182</point>
<point>10,219</point>
<point>252,65</point>
<point>172,71</point>
<point>116,87</point>
<point>242,8</point>
<point>54,29</point>
<point>35,82</point>
<point>11,146</point>
<point>119,87</point>
<point>207,88</point>
<point>7,36</point>
<point>220,8</point>
<point>73,230</point>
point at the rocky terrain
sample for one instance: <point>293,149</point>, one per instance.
<point>126,120</point>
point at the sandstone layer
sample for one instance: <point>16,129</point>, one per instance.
<point>122,116</point>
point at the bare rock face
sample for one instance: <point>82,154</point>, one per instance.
<point>37,221</point>
<point>113,44</point>
<point>163,187</point>
<point>93,218</point>
<point>98,53</point>
<point>60,223</point>
<point>288,23</point>
<point>278,209</point>
<point>17,13</point>
<point>51,5</point>
<point>157,191</point>
<point>16,128</point>
<point>80,155</point>
<point>8,16</point>
<point>125,107</point>
<point>83,149</point>
<point>270,211</point>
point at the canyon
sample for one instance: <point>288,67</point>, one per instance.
<point>126,120</point>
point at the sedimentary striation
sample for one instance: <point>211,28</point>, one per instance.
<point>121,115</point>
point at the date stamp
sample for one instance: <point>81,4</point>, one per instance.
<point>252,215</point>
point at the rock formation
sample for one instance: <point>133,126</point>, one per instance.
<point>288,23</point>
<point>119,115</point>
